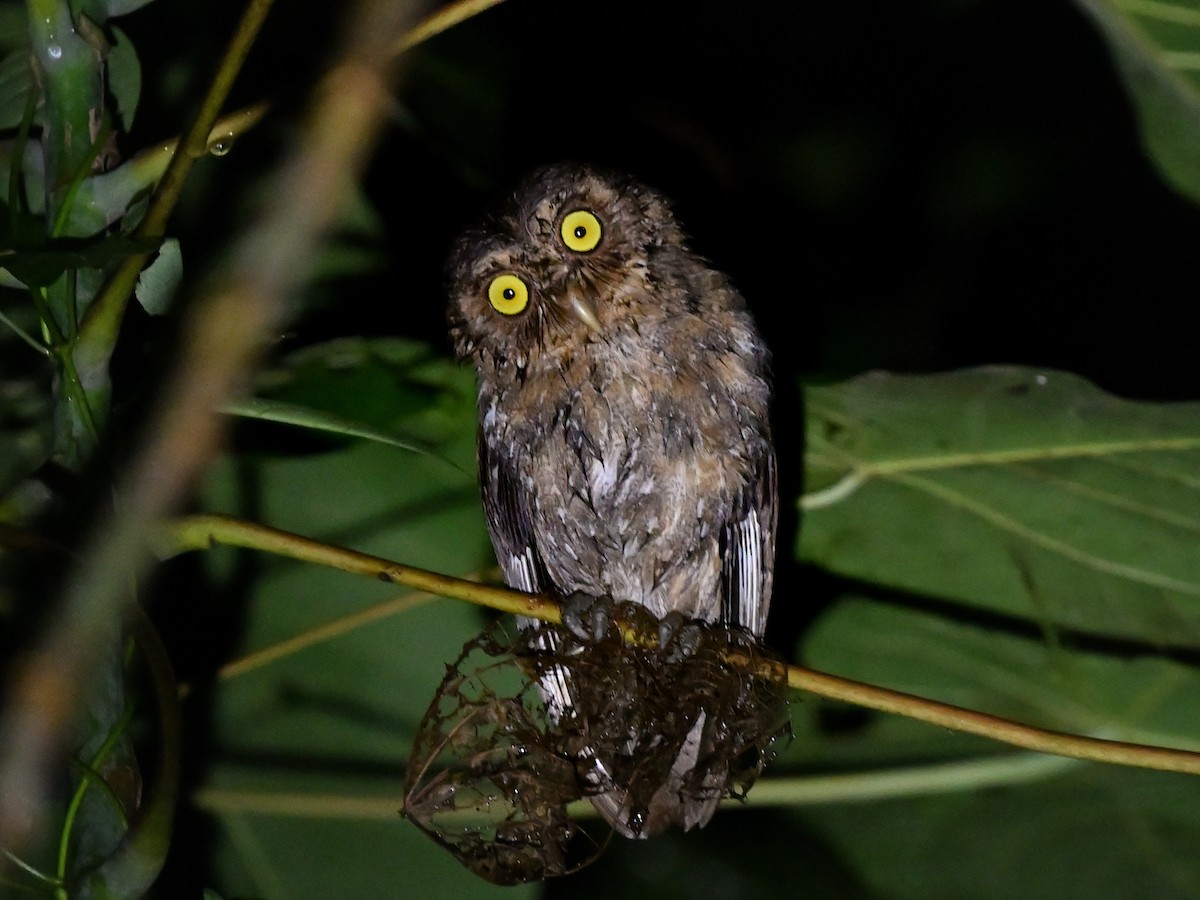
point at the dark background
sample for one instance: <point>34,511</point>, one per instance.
<point>913,186</point>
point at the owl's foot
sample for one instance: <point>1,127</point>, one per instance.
<point>587,617</point>
<point>678,636</point>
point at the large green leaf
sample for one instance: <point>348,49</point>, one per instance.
<point>1095,833</point>
<point>1090,831</point>
<point>1156,45</point>
<point>1029,493</point>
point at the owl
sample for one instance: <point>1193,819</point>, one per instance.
<point>624,446</point>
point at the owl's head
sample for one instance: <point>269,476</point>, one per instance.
<point>565,262</point>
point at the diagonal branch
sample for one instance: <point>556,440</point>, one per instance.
<point>203,532</point>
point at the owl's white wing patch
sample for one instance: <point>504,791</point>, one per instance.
<point>746,587</point>
<point>748,551</point>
<point>521,571</point>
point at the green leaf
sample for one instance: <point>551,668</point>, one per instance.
<point>369,381</point>
<point>1091,831</point>
<point>102,10</point>
<point>124,73</point>
<point>291,414</point>
<point>329,855</point>
<point>113,194</point>
<point>158,282</point>
<point>1095,833</point>
<point>1146,699</point>
<point>1156,46</point>
<point>16,81</point>
<point>1032,494</point>
<point>44,267</point>
<point>24,441</point>
<point>14,28</point>
<point>123,7</point>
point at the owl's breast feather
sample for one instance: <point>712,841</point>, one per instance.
<point>623,486</point>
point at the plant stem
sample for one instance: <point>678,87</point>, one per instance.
<point>791,792</point>
<point>90,775</point>
<point>447,17</point>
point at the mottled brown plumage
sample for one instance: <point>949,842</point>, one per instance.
<point>624,446</point>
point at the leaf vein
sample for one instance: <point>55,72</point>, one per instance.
<point>1046,542</point>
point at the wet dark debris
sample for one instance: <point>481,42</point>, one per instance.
<point>654,722</point>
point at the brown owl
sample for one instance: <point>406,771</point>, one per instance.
<point>624,445</point>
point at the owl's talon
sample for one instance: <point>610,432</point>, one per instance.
<point>678,635</point>
<point>668,627</point>
<point>586,617</point>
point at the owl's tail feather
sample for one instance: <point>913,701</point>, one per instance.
<point>673,803</point>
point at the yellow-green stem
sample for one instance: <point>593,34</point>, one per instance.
<point>202,532</point>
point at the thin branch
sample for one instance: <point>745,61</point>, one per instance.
<point>202,532</point>
<point>791,792</point>
<point>447,17</point>
<point>326,632</point>
<point>1004,730</point>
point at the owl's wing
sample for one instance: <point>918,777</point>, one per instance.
<point>510,522</point>
<point>748,549</point>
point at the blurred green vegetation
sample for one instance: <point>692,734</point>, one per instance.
<point>913,188</point>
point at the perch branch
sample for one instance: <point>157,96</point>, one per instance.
<point>202,532</point>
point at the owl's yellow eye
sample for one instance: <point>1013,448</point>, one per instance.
<point>508,294</point>
<point>581,231</point>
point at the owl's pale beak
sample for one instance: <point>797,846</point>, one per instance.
<point>575,300</point>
